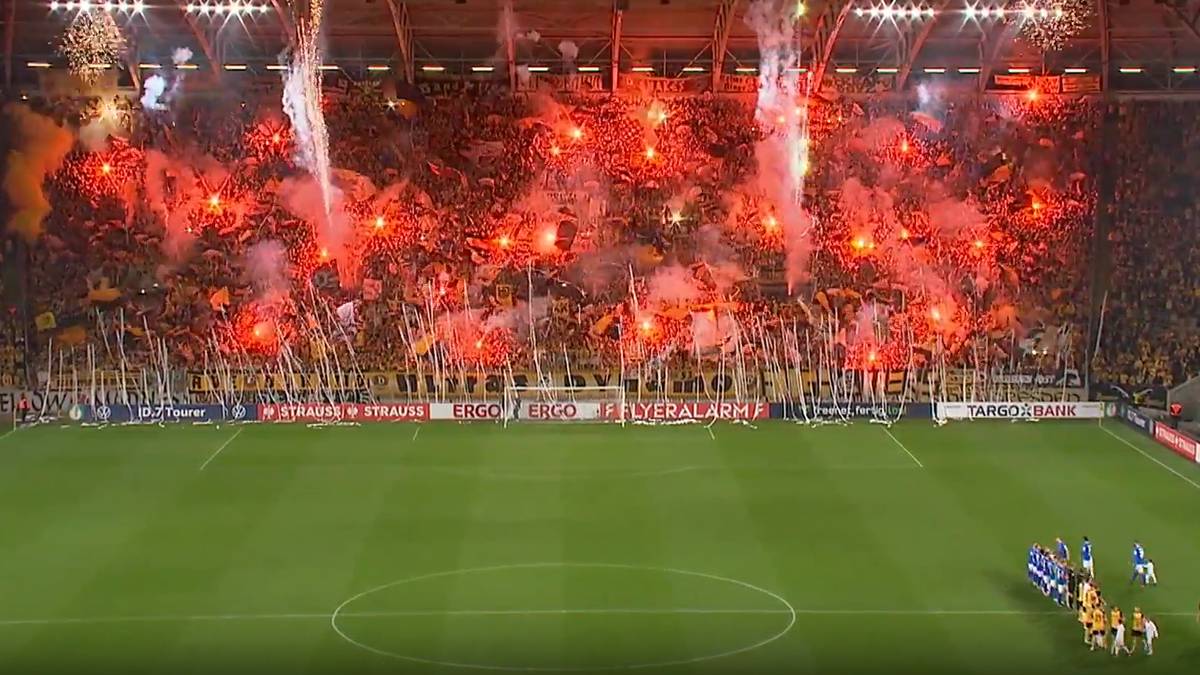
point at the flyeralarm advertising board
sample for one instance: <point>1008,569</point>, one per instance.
<point>672,411</point>
<point>1011,410</point>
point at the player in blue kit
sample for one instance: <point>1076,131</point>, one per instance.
<point>1085,553</point>
<point>1139,564</point>
<point>1064,553</point>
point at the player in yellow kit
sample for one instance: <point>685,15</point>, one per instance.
<point>1085,620</point>
<point>1098,628</point>
<point>1138,629</point>
<point>1114,618</point>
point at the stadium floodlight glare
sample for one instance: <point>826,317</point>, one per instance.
<point>378,69</point>
<point>433,69</point>
<point>887,70</point>
<point>692,69</point>
<point>642,69</point>
<point>845,70</point>
<point>1018,71</point>
<point>1130,70</point>
<point>187,66</point>
<point>934,70</point>
<point>910,12</point>
<point>235,66</point>
<point>232,8</point>
<point>588,69</point>
<point>1074,71</point>
<point>37,64</point>
<point>149,66</point>
<point>1184,70</point>
<point>276,66</point>
<point>329,66</point>
<point>745,69</point>
<point>482,69</point>
<point>969,70</point>
<point>539,69</point>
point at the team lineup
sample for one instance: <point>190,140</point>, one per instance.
<point>1077,589</point>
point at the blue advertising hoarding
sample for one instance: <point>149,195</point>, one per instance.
<point>165,413</point>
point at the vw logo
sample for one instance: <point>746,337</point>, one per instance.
<point>103,412</point>
<point>239,411</point>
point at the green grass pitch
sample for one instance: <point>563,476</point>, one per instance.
<point>585,548</point>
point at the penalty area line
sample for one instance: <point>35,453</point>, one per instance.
<point>223,446</point>
<point>1150,457</point>
<point>901,445</point>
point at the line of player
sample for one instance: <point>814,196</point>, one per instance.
<point>1053,573</point>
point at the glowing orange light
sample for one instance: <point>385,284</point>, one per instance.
<point>650,153</point>
<point>275,137</point>
<point>504,241</point>
<point>106,168</point>
<point>770,223</point>
<point>979,244</point>
<point>550,238</point>
<point>214,200</point>
<point>904,234</point>
<point>904,147</point>
<point>859,243</point>
<point>1037,204</point>
<point>646,325</point>
<point>872,356</point>
<point>324,253</point>
<point>576,133</point>
<point>780,120</point>
<point>478,344</point>
<point>676,217</point>
<point>935,314</point>
<point>1033,95</point>
<point>379,222</point>
<point>555,150</point>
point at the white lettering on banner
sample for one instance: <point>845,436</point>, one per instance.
<point>669,410</point>
<point>1182,445</point>
<point>156,412</point>
<point>1010,410</point>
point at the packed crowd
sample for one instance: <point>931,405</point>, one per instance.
<point>481,229</point>
<point>1150,336</point>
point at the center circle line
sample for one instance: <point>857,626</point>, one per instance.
<point>786,609</point>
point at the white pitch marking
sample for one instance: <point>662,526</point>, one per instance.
<point>1150,457</point>
<point>325,616</point>
<point>8,433</point>
<point>416,433</point>
<point>223,446</point>
<point>906,450</point>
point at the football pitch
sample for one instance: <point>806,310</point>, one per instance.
<point>446,548</point>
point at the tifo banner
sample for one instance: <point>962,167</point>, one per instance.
<point>776,385</point>
<point>1181,444</point>
<point>343,412</point>
<point>850,410</point>
<point>1021,411</point>
<point>164,413</point>
<point>668,411</point>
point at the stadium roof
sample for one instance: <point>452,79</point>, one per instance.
<point>1130,44</point>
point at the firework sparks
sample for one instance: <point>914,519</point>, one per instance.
<point>1049,24</point>
<point>92,43</point>
<point>302,102</point>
